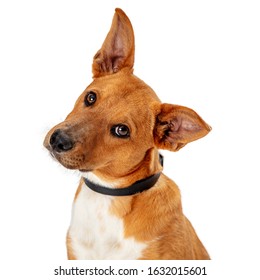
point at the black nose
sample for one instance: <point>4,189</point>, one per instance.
<point>60,141</point>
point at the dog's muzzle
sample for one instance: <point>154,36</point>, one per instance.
<point>60,141</point>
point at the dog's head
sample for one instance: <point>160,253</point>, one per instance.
<point>118,122</point>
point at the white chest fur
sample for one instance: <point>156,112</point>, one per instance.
<point>96,233</point>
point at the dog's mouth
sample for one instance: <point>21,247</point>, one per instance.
<point>85,170</point>
<point>70,162</point>
<point>52,154</point>
<point>70,159</point>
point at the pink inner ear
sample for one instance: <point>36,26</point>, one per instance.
<point>182,124</point>
<point>190,126</point>
<point>175,124</point>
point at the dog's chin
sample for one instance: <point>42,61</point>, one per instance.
<point>70,164</point>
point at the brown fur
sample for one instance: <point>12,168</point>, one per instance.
<point>154,216</point>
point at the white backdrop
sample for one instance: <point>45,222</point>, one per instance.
<point>200,54</point>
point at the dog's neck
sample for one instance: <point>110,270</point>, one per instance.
<point>97,185</point>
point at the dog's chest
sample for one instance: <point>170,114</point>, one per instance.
<point>98,234</point>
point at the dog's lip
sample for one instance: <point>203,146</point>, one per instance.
<point>85,170</point>
<point>53,153</point>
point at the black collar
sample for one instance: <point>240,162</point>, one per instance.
<point>137,187</point>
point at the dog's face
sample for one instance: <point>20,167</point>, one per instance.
<point>112,119</point>
<point>118,121</point>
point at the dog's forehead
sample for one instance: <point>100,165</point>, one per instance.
<point>124,88</point>
<point>122,99</point>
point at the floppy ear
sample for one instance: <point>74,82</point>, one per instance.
<point>117,51</point>
<point>176,126</point>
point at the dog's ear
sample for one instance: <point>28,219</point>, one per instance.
<point>117,51</point>
<point>176,126</point>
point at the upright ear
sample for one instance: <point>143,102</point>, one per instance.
<point>117,51</point>
<point>176,126</point>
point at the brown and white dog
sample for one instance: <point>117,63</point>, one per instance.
<point>125,207</point>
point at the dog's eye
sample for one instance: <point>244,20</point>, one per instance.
<point>120,130</point>
<point>90,98</point>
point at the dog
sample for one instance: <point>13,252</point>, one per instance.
<point>125,207</point>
